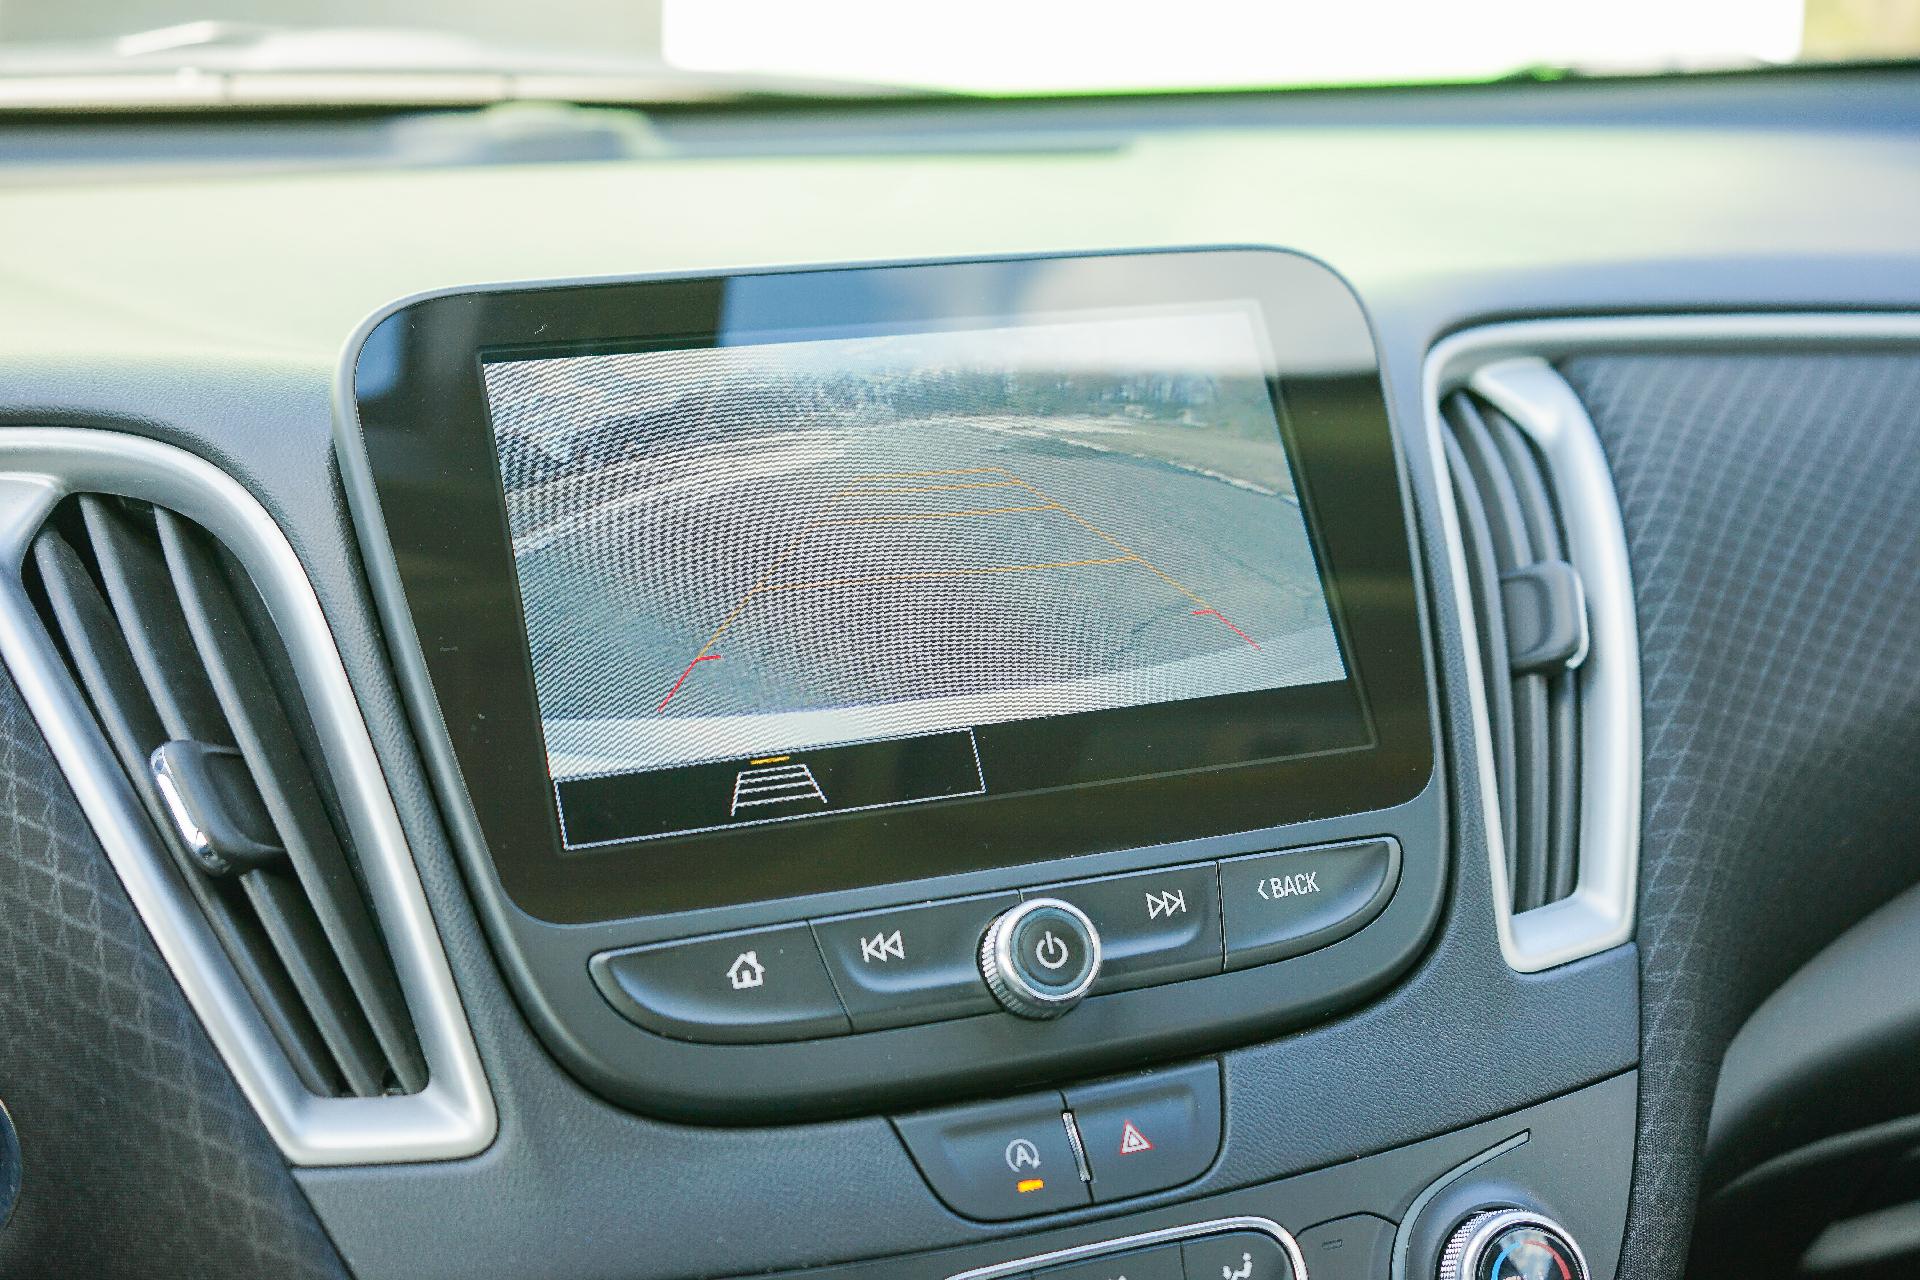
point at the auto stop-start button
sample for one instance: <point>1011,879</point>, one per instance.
<point>998,1160</point>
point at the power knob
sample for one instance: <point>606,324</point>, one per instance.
<point>1512,1244</point>
<point>1040,958</point>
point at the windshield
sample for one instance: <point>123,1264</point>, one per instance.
<point>1020,47</point>
<point>102,54</point>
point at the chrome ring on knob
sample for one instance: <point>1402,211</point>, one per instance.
<point>1467,1246</point>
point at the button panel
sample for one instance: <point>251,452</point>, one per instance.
<point>1159,1262</point>
<point>916,964</point>
<point>1236,1255</point>
<point>1100,1142</point>
<point>1278,905</point>
<point>766,984</point>
<point>1244,1248</point>
<point>1358,1247</point>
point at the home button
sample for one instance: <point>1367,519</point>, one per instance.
<point>739,988</point>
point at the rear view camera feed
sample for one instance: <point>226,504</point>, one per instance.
<point>773,581</point>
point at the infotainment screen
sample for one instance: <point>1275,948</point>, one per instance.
<point>775,580</point>
<point>740,588</point>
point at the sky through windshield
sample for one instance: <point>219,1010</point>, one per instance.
<point>983,46</point>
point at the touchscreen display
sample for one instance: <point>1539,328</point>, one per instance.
<point>799,575</point>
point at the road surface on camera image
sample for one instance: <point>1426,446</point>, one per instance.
<point>722,593</point>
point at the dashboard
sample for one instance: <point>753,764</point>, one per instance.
<point>1260,685</point>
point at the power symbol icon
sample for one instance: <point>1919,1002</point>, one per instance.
<point>1050,952</point>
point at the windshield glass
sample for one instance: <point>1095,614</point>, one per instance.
<point>1016,46</point>
<point>186,53</point>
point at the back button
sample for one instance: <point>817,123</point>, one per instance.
<point>1279,905</point>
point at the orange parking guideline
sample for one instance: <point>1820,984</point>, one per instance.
<point>931,574</point>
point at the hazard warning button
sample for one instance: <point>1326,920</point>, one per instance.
<point>1148,1132</point>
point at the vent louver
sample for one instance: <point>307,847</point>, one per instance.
<point>192,688</point>
<point>1530,613</point>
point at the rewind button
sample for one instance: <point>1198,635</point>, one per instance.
<point>910,964</point>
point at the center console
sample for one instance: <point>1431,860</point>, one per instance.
<point>873,686</point>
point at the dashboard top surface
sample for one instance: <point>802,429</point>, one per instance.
<point>1591,217</point>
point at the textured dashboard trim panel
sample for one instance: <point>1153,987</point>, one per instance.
<point>454,1114</point>
<point>1507,363</point>
<point>1776,740</point>
<point>142,1159</point>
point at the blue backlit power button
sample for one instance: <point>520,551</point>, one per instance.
<point>1040,958</point>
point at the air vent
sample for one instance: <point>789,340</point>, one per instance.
<point>1544,609</point>
<point>1530,612</point>
<point>173,648</point>
<point>168,643</point>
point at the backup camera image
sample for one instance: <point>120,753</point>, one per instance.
<point>751,558</point>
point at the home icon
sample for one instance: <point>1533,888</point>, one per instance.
<point>746,971</point>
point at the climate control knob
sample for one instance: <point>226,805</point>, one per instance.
<point>1511,1244</point>
<point>1040,958</point>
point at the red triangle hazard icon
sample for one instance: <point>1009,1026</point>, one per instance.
<point>1132,1140</point>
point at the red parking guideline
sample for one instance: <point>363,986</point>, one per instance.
<point>705,657</point>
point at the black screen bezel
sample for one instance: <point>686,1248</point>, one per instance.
<point>428,441</point>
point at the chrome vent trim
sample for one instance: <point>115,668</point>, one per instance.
<point>454,1114</point>
<point>1599,913</point>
